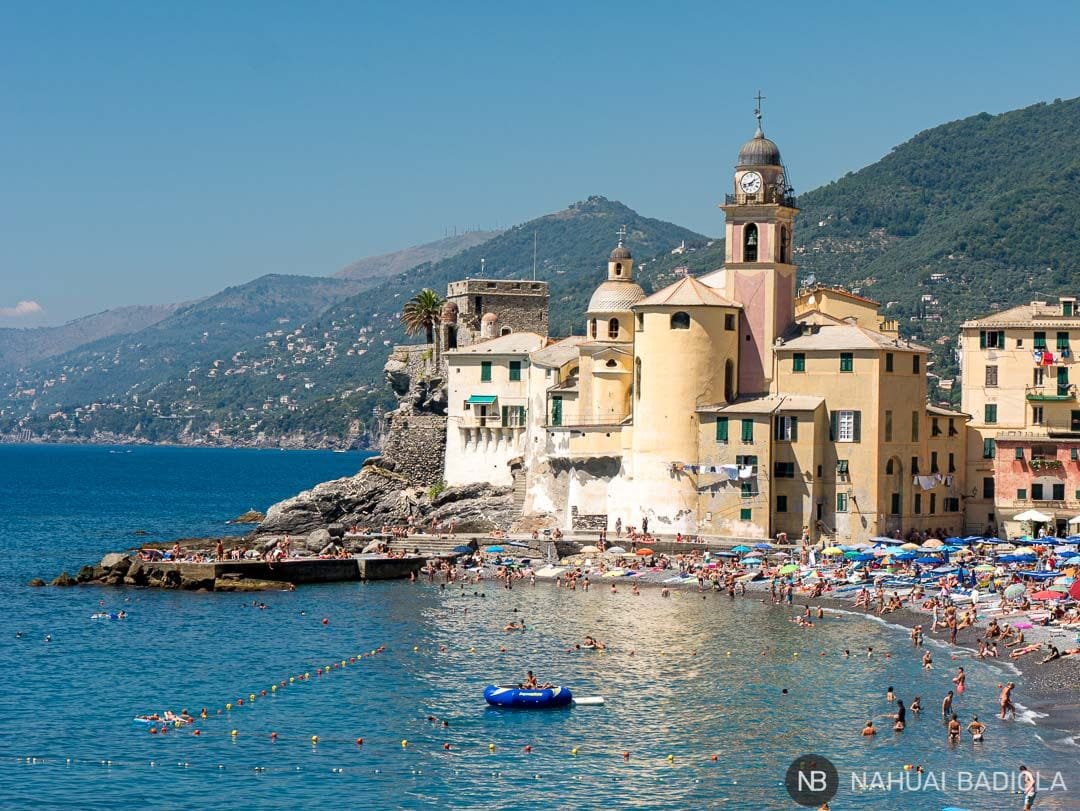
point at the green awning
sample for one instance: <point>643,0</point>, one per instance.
<point>481,399</point>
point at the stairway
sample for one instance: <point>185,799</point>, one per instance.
<point>519,491</point>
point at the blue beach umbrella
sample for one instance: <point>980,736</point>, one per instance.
<point>763,546</point>
<point>494,549</point>
<point>907,555</point>
<point>929,561</point>
<point>862,557</point>
<point>740,548</point>
<point>463,550</point>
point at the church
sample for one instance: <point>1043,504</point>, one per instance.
<point>727,405</point>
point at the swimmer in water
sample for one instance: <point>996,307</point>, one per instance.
<point>900,717</point>
<point>946,706</point>
<point>916,705</point>
<point>869,730</point>
<point>977,728</point>
<point>890,696</point>
<point>927,661</point>
<point>954,729</point>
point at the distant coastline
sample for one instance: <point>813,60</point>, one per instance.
<point>287,442</point>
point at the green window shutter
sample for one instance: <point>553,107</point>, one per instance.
<point>982,339</point>
<point>515,370</point>
<point>841,502</point>
<point>989,449</point>
<point>990,413</point>
<point>721,429</point>
<point>747,430</point>
<point>798,362</point>
<point>916,364</point>
<point>485,371</point>
<point>1036,492</point>
<point>794,428</point>
<point>744,514</point>
<point>847,361</point>
<point>918,503</point>
<point>1063,340</point>
<point>746,489</point>
<point>833,419</point>
<point>505,415</point>
<point>1021,494</point>
<point>1019,451</point>
<point>1074,454</point>
<point>856,432</point>
<point>1040,340</point>
<point>1059,492</point>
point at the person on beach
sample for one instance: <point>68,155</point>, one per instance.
<point>977,729</point>
<point>916,705</point>
<point>900,718</point>
<point>954,729</point>
<point>1054,654</point>
<point>1027,780</point>
<point>928,661</point>
<point>946,706</point>
<point>1005,701</point>
<point>959,680</point>
<point>869,730</point>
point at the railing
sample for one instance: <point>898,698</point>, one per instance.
<point>1050,393</point>
<point>489,422</point>
<point>588,421</point>
<point>760,198</point>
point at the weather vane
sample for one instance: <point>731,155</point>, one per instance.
<point>622,234</point>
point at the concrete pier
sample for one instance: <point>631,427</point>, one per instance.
<point>311,570</point>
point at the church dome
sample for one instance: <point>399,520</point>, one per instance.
<point>615,296</point>
<point>620,253</point>
<point>489,318</point>
<point>759,151</point>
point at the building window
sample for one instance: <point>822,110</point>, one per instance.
<point>933,503</point>
<point>592,327</point>
<point>781,504</point>
<point>888,426</point>
<point>1019,453</point>
<point>618,268</point>
<point>991,376</point>
<point>745,513</point>
<point>952,462</point>
<point>952,428</point>
<point>1074,454</point>
<point>787,429</point>
<point>515,370</point>
<point>846,426</point>
<point>750,243</point>
<point>894,504</point>
<point>613,328</point>
<point>889,467</point>
<point>847,361</point>
<point>785,245</point>
<point>1038,376</point>
<point>988,487</point>
<point>746,489</point>
<point>639,319</point>
<point>729,322</point>
<point>1067,307</point>
<point>747,431</point>
<point>933,462</point>
<point>513,416</point>
<point>749,460</point>
<point>1021,494</point>
<point>991,339</point>
<point>784,470</point>
<point>1063,341</point>
<point>888,361</point>
<point>918,503</point>
<point>506,331</point>
<point>990,413</point>
<point>1063,381</point>
<point>989,449</point>
<point>1059,492</point>
<point>952,504</point>
<point>1040,340</point>
<point>916,364</point>
<point>798,362</point>
<point>722,430</point>
<point>556,410</point>
<point>1074,421</point>
<point>680,320</point>
<point>915,425</point>
<point>637,378</point>
<point>842,467</point>
<point>485,371</point>
<point>1037,415</point>
<point>914,465</point>
<point>935,429</point>
<point>1036,492</point>
<point>841,502</point>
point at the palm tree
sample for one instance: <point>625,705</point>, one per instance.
<point>422,313</point>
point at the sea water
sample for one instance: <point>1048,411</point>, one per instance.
<point>684,679</point>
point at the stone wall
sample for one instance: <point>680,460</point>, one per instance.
<point>587,523</point>
<point>522,306</point>
<point>415,446</point>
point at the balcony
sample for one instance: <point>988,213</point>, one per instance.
<point>570,421</point>
<point>761,198</point>
<point>1050,394</point>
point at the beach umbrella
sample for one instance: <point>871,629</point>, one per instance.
<point>879,552</point>
<point>1047,595</point>
<point>909,546</point>
<point>781,555</point>
<point>1073,561</point>
<point>494,550</point>
<point>1032,515</point>
<point>1074,589</point>
<point>644,553</point>
<point>589,550</point>
<point>616,550</point>
<point>740,548</point>
<point>907,556</point>
<point>928,561</point>
<point>1025,550</point>
<point>753,554</point>
<point>832,550</point>
<point>751,561</point>
<point>862,544</point>
<point>788,568</point>
<point>984,567</point>
<point>1059,587</point>
<point>1014,591</point>
<point>933,543</point>
<point>763,546</point>
<point>863,557</point>
<point>462,550</point>
<point>881,539</point>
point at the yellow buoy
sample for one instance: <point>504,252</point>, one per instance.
<point>573,751</point>
<point>233,733</point>
<point>404,743</point>
<point>314,738</point>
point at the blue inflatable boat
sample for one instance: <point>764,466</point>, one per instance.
<point>521,698</point>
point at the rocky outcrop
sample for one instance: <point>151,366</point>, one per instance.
<point>376,497</point>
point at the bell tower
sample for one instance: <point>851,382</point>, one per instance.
<point>759,270</point>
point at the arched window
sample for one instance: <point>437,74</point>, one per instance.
<point>611,364</point>
<point>451,337</point>
<point>750,243</point>
<point>505,331</point>
<point>680,320</point>
<point>785,244</point>
<point>592,328</point>
<point>613,328</point>
<point>637,378</point>
<point>618,268</point>
<point>889,468</point>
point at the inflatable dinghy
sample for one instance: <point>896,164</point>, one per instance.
<point>521,698</point>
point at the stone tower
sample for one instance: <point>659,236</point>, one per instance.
<point>759,270</point>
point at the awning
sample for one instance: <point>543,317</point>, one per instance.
<point>481,399</point>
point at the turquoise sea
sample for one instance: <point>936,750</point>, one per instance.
<point>684,678</point>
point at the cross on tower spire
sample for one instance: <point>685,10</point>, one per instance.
<point>622,234</point>
<point>757,113</point>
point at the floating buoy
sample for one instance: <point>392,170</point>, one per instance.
<point>228,706</point>
<point>573,751</point>
<point>153,730</point>
<point>359,741</point>
<point>671,758</point>
<point>233,733</point>
<point>491,747</point>
<point>714,758</point>
<point>325,621</point>
<point>625,755</point>
<point>446,746</point>
<point>314,738</point>
<point>404,744</point>
<point>528,748</point>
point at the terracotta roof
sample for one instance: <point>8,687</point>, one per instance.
<point>516,343</point>
<point>559,353</point>
<point>687,292</point>
<point>849,336</point>
<point>820,288</point>
<point>939,411</point>
<point>767,405</point>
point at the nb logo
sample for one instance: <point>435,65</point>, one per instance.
<point>811,780</point>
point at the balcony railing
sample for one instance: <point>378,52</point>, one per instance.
<point>1050,393</point>
<point>761,198</point>
<point>586,421</point>
<point>489,422</point>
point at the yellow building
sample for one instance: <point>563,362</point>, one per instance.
<point>726,406</point>
<point>1024,449</point>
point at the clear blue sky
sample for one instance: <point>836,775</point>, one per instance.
<point>156,152</point>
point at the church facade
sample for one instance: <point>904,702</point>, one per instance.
<point>727,405</point>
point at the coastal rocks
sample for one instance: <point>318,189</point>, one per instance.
<point>64,579</point>
<point>249,584</point>
<point>36,583</point>
<point>113,559</point>
<point>318,539</point>
<point>249,517</point>
<point>85,575</point>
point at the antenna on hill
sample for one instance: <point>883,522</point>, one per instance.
<point>534,256</point>
<point>482,260</point>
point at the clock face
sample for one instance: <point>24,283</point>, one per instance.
<point>750,183</point>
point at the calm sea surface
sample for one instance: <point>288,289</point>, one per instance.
<point>694,686</point>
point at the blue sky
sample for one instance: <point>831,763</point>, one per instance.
<point>156,152</point>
